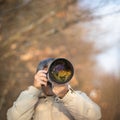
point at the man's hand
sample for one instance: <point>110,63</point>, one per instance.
<point>40,79</point>
<point>60,89</point>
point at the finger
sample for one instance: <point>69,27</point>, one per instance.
<point>60,85</point>
<point>42,71</point>
<point>43,78</point>
<point>43,83</point>
<point>41,75</point>
<point>56,84</point>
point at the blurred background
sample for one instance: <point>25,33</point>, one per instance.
<point>85,32</point>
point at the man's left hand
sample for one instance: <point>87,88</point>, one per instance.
<point>60,89</point>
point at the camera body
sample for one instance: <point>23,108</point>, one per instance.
<point>60,71</point>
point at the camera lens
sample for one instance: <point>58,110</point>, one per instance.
<point>60,71</point>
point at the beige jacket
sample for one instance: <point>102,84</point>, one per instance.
<point>33,105</point>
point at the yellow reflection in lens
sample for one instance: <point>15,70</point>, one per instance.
<point>62,75</point>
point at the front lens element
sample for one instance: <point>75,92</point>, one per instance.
<point>61,71</point>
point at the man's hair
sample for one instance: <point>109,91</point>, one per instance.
<point>44,63</point>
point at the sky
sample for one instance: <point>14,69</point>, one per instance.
<point>108,37</point>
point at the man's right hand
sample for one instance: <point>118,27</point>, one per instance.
<point>40,79</point>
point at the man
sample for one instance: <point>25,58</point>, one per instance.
<point>46,101</point>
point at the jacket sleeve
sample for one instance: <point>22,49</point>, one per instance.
<point>80,106</point>
<point>23,107</point>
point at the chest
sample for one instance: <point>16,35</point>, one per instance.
<point>51,109</point>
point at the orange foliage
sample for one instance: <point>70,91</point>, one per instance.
<point>61,14</point>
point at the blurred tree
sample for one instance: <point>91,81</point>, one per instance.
<point>31,31</point>
<point>34,30</point>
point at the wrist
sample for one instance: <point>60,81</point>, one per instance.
<point>37,86</point>
<point>33,90</point>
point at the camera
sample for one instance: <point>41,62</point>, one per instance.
<point>60,71</point>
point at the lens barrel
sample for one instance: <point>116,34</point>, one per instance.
<point>60,71</point>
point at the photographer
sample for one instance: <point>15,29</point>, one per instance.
<point>46,100</point>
